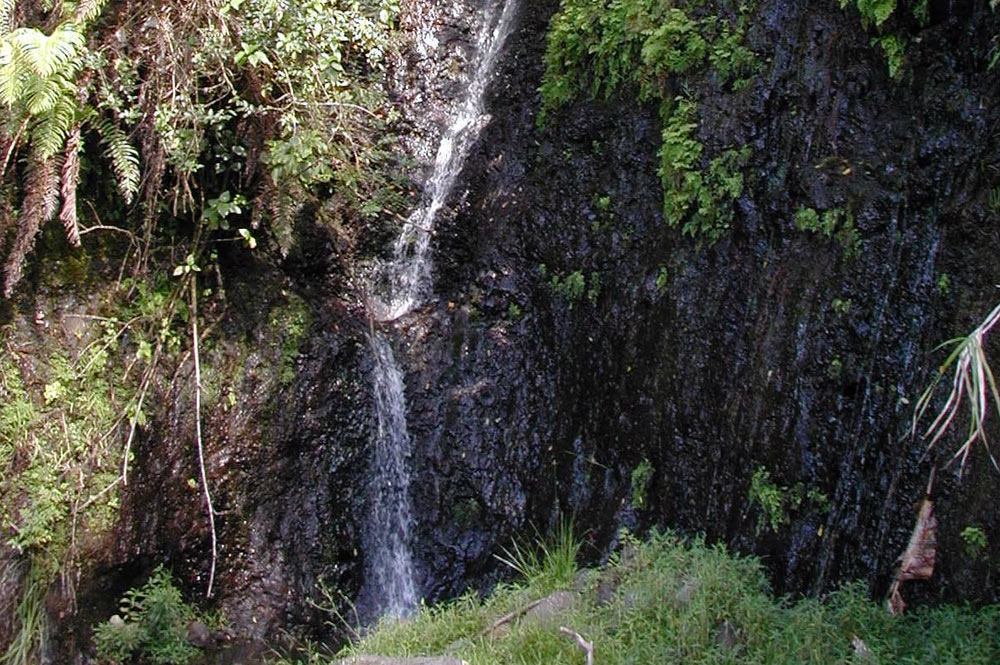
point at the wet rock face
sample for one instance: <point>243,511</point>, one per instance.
<point>774,348</point>
<point>771,349</point>
<point>287,460</point>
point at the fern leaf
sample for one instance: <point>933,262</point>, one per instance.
<point>88,10</point>
<point>70,179</point>
<point>6,17</point>
<point>7,216</point>
<point>48,180</point>
<point>48,54</point>
<point>42,95</point>
<point>124,158</point>
<point>12,75</point>
<point>49,134</point>
<point>37,189</point>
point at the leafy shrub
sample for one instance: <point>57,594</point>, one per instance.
<point>153,624</point>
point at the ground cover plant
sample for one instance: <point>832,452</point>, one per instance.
<point>677,600</point>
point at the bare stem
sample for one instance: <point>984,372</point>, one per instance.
<point>197,424</point>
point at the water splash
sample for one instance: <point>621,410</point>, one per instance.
<point>390,585</point>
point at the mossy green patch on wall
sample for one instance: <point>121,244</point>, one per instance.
<point>61,408</point>
<point>291,321</point>
<point>597,49</point>
<point>836,223</point>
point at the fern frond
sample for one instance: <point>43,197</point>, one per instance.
<point>50,131</point>
<point>41,178</point>
<point>12,74</point>
<point>70,179</point>
<point>48,54</point>
<point>88,10</point>
<point>6,17</point>
<point>7,216</point>
<point>124,158</point>
<point>48,181</point>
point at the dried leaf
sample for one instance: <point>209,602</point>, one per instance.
<point>896,606</point>
<point>917,561</point>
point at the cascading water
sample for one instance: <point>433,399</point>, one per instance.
<point>390,587</point>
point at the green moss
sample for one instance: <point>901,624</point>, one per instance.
<point>641,477</point>
<point>291,321</point>
<point>836,223</point>
<point>872,11</point>
<point>571,287</point>
<point>776,504</point>
<point>598,49</point>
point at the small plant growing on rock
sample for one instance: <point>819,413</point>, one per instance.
<point>152,625</point>
<point>975,541</point>
<point>642,476</point>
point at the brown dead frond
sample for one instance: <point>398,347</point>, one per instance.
<point>917,561</point>
<point>41,196</point>
<point>70,180</point>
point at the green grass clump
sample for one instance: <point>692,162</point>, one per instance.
<point>671,600</point>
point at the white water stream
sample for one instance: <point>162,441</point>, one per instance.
<point>390,585</point>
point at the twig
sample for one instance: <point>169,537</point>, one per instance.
<point>509,617</point>
<point>588,647</point>
<point>197,423</point>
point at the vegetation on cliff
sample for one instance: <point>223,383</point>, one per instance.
<point>651,47</point>
<point>158,135</point>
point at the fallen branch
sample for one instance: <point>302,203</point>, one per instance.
<point>588,647</point>
<point>507,618</point>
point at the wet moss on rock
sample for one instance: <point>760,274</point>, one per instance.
<point>652,48</point>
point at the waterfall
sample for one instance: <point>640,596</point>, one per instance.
<point>390,585</point>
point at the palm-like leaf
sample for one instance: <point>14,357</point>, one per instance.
<point>973,382</point>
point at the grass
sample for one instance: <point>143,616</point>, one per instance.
<point>671,600</point>
<point>29,639</point>
<point>550,565</point>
